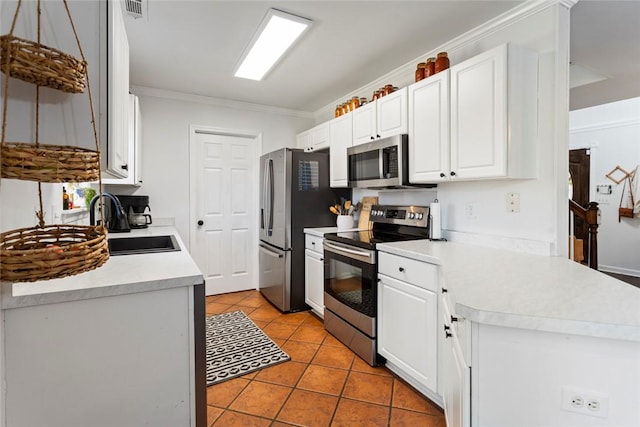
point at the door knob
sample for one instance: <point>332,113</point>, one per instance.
<point>200,223</point>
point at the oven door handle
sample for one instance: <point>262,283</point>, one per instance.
<point>346,251</point>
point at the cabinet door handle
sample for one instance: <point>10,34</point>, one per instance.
<point>124,167</point>
<point>442,175</point>
<point>200,223</point>
<point>444,290</point>
<point>453,173</point>
<point>453,319</point>
<point>401,269</point>
<point>321,259</point>
<point>447,334</point>
<point>378,136</point>
<point>372,137</point>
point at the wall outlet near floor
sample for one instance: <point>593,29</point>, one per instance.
<point>586,402</point>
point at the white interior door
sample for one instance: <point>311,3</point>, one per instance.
<point>223,199</point>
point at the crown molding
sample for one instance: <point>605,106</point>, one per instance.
<point>604,125</point>
<point>399,75</point>
<point>219,102</point>
<point>568,3</point>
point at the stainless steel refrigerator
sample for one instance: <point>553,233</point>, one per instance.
<point>294,194</point>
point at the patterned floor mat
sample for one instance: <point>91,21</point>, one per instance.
<point>236,346</point>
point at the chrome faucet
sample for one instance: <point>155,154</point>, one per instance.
<point>119,224</point>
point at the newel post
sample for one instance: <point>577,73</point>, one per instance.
<point>592,221</point>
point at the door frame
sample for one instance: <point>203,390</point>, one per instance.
<point>214,130</point>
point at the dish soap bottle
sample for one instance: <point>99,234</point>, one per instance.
<point>65,199</point>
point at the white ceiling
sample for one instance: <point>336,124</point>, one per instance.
<point>193,46</point>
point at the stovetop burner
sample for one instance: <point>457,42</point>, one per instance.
<point>390,224</point>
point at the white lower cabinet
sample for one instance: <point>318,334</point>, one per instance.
<point>408,319</point>
<point>314,274</point>
<point>454,370</point>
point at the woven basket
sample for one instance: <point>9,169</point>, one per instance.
<point>51,252</point>
<point>49,163</point>
<point>42,65</point>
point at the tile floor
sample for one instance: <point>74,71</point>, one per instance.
<point>324,383</point>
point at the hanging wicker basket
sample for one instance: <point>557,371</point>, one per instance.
<point>45,66</point>
<point>48,251</point>
<point>49,163</point>
<point>42,65</point>
<point>54,251</point>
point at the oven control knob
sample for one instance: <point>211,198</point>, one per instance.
<point>419,216</point>
<point>411,215</point>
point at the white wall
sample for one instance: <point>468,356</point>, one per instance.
<point>166,117</point>
<point>612,132</point>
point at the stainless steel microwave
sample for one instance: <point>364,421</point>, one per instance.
<point>380,164</point>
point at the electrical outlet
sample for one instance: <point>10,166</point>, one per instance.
<point>513,202</point>
<point>471,210</point>
<point>586,402</point>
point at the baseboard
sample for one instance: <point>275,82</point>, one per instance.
<point>619,270</point>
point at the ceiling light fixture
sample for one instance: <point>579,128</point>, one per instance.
<point>276,34</point>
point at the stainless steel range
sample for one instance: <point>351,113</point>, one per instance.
<point>350,276</point>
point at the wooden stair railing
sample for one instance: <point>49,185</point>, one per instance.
<point>590,216</point>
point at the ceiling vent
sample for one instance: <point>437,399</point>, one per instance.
<point>134,8</point>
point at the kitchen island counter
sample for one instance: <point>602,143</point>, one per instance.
<point>121,345</point>
<point>121,274</point>
<point>554,294</point>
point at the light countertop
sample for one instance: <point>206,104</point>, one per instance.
<point>321,231</point>
<point>121,274</point>
<point>504,288</point>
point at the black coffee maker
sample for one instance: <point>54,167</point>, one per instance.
<point>135,208</point>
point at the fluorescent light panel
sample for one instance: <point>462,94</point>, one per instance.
<point>276,35</point>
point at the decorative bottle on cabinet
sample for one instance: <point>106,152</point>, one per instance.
<point>442,62</point>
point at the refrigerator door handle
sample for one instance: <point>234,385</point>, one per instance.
<point>271,253</point>
<point>271,197</point>
<point>263,196</point>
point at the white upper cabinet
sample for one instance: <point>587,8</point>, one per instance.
<point>477,120</point>
<point>117,153</point>
<point>429,129</point>
<point>303,139</point>
<point>314,139</point>
<point>391,114</point>
<point>319,137</point>
<point>384,117</point>
<point>340,135</point>
<point>494,115</point>
<point>134,151</point>
<point>364,123</point>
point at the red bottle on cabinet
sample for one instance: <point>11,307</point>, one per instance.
<point>442,62</point>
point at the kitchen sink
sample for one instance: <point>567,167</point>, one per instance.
<point>143,245</point>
